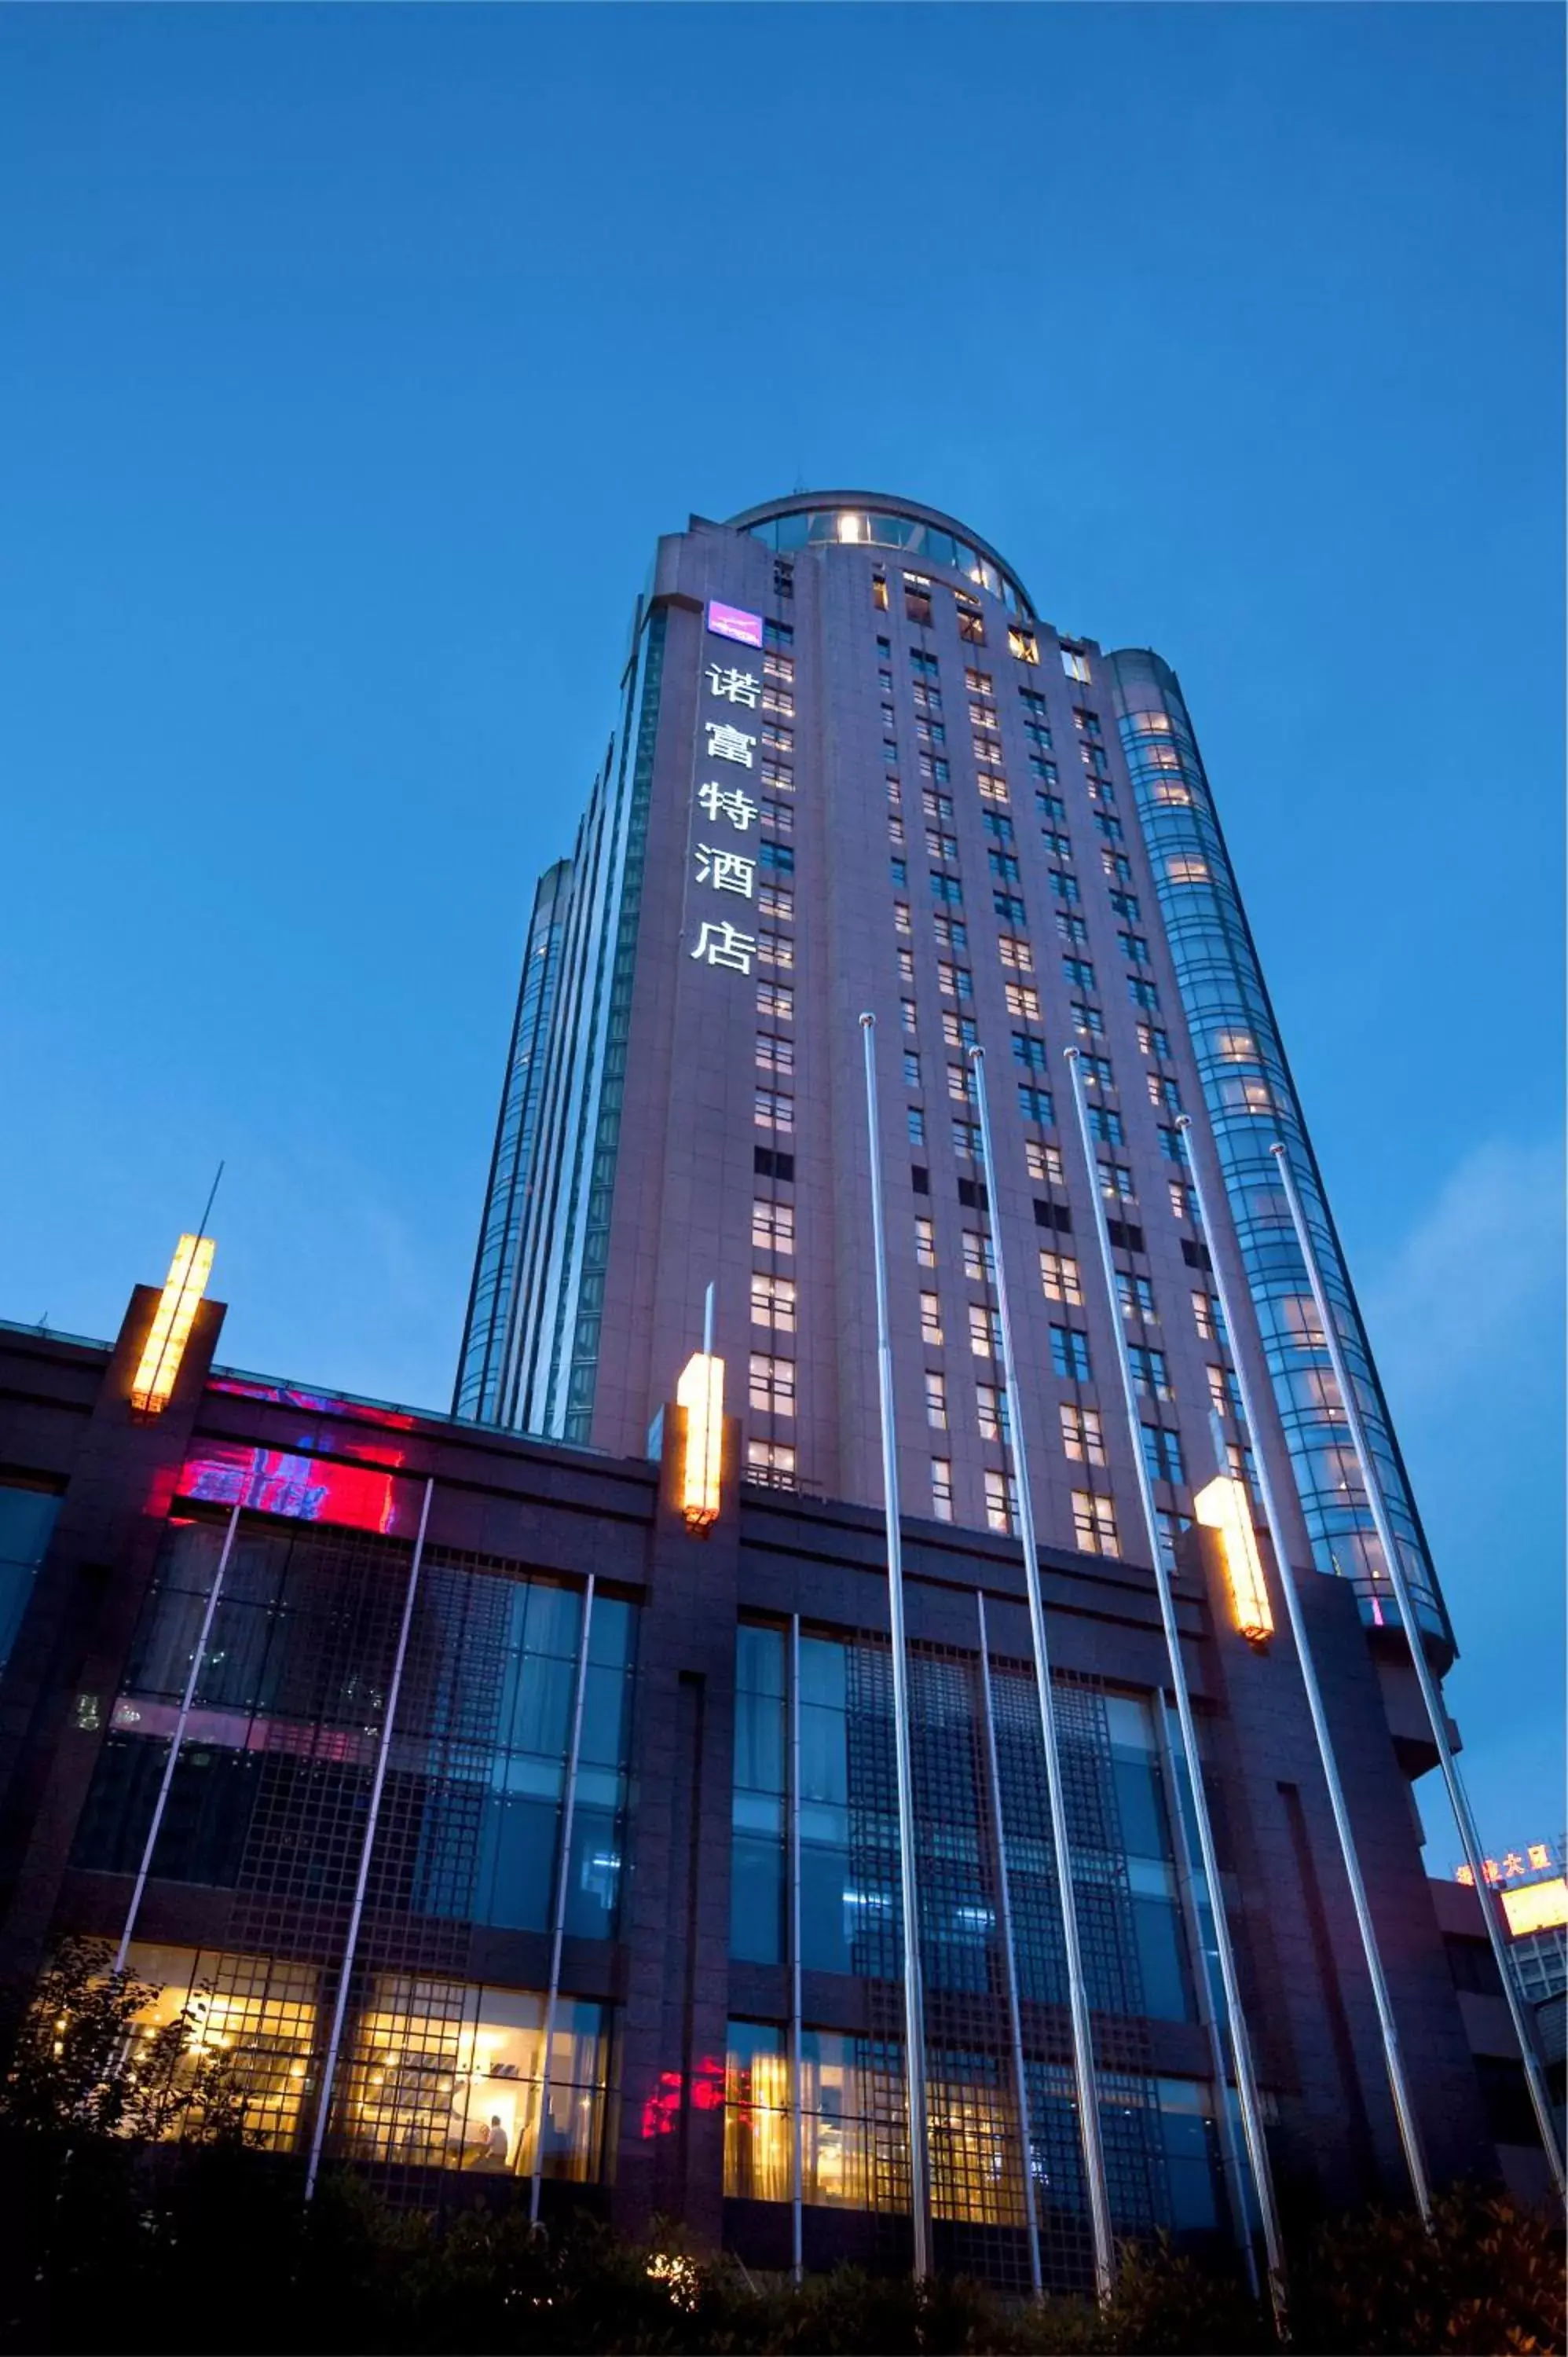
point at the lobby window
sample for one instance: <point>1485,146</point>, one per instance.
<point>941,1487</point>
<point>1162,1453</point>
<point>759,2140</point>
<point>1001,1502</point>
<point>1037,1105</point>
<point>991,785</point>
<point>979,1258</point>
<point>1082,1435</point>
<point>1136,1295</point>
<point>773,1226</point>
<point>991,1401</point>
<point>773,1302</point>
<point>1060,1279</point>
<point>771,1384</point>
<point>917,1123</point>
<point>925,1243</point>
<point>936,1399</point>
<point>1150,1372</point>
<point>916,597</point>
<point>1024,645</point>
<point>970,622</point>
<point>932,1320</point>
<point>1070,1353</point>
<point>1094,1523</point>
<point>773,1110</point>
<point>1044,1163</point>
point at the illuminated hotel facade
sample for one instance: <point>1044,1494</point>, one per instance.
<point>523,1790</point>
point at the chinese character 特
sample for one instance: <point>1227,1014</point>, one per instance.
<point>737,687</point>
<point>728,802</point>
<point>723,945</point>
<point>726,871</point>
<point>727,743</point>
<point>1539,1854</point>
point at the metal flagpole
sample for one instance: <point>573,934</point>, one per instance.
<point>1404,2107</point>
<point>1009,1955</point>
<point>562,1878</point>
<point>796,2155</point>
<point>1241,2044</point>
<point>329,2073</point>
<point>186,1700</point>
<point>914,2007</point>
<point>1078,1993</point>
<point>1431,1692</point>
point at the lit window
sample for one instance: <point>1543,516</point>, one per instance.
<point>1224,1392</point>
<point>1096,1069</point>
<point>772,1385</point>
<point>901,916</point>
<point>966,1139</point>
<point>1082,1437</point>
<point>770,1457</point>
<point>777,999</point>
<point>925,1243</point>
<point>1060,1279</point>
<point>775,1052</point>
<point>773,1110</point>
<point>1173,791</point>
<point>1094,1523</point>
<point>959,1030</point>
<point>1187,871</point>
<point>1024,645</point>
<point>1206,1318</point>
<point>939,845</point>
<point>993,787</point>
<point>1070,1353</point>
<point>773,900</point>
<point>960,1084</point>
<point>1001,1502</point>
<point>916,597</point>
<point>773,1302</point>
<point>773,1226</point>
<point>1015,954</point>
<point>936,1399</point>
<point>1044,1163</point>
<point>906,967</point>
<point>970,622</point>
<point>879,591</point>
<point>978,682</point>
<point>984,1330</point>
<point>1135,1294</point>
<point>930,1318</point>
<point>774,949</point>
<point>1164,1092</point>
<point>955,981</point>
<point>936,805</point>
<point>991,1399</point>
<point>979,1261</point>
<point>1116,1182</point>
<point>1178,1199</point>
<point>1022,1001</point>
<point>952,932</point>
<point>942,1489</point>
<point>1153,1041</point>
<point>1075,662</point>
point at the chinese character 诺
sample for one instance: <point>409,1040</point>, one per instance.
<point>727,743</point>
<point>726,871</point>
<point>728,802</point>
<point>723,945</point>
<point>736,686</point>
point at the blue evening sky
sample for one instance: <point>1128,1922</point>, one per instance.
<point>352,361</point>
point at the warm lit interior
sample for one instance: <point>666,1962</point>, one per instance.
<point>1226,1507</point>
<point>172,1322</point>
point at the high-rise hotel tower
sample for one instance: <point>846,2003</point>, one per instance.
<point>854,771</point>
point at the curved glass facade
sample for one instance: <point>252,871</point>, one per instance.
<point>912,533</point>
<point>1251,1102</point>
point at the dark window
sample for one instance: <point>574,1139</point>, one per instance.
<point>1472,1965</point>
<point>779,634</point>
<point>26,1521</point>
<point>972,1196</point>
<point>783,580</point>
<point>1124,1235</point>
<point>919,1179</point>
<point>768,1164</point>
<point>1053,1215</point>
<point>1195,1255</point>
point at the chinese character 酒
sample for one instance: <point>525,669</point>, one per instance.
<point>727,743</point>
<point>737,687</point>
<point>723,945</point>
<point>726,871</point>
<point>728,802</point>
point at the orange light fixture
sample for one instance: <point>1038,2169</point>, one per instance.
<point>172,1322</point>
<point>701,1392</point>
<point>1225,1508</point>
<point>1537,1906</point>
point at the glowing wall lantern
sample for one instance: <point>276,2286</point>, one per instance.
<point>1538,1906</point>
<point>1224,1507</point>
<point>172,1322</point>
<point>701,1392</point>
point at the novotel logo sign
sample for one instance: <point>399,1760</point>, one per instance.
<point>735,623</point>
